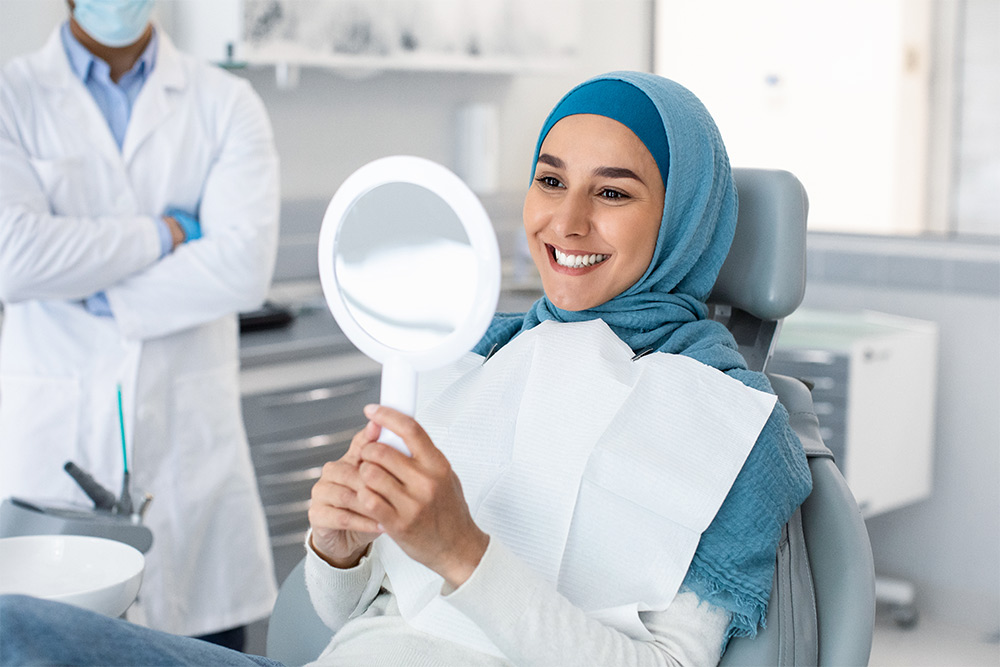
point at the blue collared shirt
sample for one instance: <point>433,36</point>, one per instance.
<point>115,102</point>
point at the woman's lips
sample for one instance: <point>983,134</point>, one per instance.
<point>573,261</point>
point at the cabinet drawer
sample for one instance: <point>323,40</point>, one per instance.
<point>287,522</point>
<point>285,487</point>
<point>300,453</point>
<point>272,416</point>
<point>828,372</point>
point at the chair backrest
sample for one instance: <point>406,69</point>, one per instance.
<point>823,600</point>
<point>764,276</point>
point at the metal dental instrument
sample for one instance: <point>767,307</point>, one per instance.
<point>103,499</point>
<point>140,513</point>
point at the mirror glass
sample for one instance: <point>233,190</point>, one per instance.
<point>410,268</point>
<point>398,252</point>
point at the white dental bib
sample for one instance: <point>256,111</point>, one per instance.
<point>599,472</point>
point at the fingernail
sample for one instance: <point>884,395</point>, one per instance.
<point>370,409</point>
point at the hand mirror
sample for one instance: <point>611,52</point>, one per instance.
<point>410,269</point>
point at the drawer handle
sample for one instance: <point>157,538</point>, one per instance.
<point>282,478</point>
<point>297,508</point>
<point>822,408</point>
<point>304,444</point>
<point>821,357</point>
<point>297,538</point>
<point>320,394</point>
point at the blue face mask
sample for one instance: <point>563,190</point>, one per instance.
<point>113,22</point>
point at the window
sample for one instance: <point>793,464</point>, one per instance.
<point>856,97</point>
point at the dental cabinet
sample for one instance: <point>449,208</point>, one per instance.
<point>303,388</point>
<point>873,377</point>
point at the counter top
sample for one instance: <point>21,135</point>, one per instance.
<point>312,350</point>
<point>312,333</point>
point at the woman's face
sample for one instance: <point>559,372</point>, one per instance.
<point>593,212</point>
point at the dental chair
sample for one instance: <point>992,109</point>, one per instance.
<point>822,608</point>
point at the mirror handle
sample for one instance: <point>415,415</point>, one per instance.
<point>399,391</point>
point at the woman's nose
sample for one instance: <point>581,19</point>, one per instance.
<point>571,216</point>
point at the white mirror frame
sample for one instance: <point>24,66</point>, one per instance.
<point>399,367</point>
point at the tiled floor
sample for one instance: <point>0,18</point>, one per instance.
<point>932,643</point>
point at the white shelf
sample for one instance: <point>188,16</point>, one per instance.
<point>289,53</point>
<point>320,34</point>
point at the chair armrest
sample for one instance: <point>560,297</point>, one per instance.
<point>840,554</point>
<point>295,633</point>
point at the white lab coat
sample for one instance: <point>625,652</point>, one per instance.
<point>76,217</point>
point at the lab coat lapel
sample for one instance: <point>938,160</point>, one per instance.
<point>156,101</point>
<point>74,101</point>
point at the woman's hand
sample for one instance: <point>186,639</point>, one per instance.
<point>417,500</point>
<point>340,532</point>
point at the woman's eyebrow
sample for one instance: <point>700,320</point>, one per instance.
<point>552,161</point>
<point>617,172</point>
<point>606,172</point>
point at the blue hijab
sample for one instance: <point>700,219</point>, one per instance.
<point>665,311</point>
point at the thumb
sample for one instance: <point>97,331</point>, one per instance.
<point>406,427</point>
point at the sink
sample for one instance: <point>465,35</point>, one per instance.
<point>91,572</point>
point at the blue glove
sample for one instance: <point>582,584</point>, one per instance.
<point>98,305</point>
<point>188,223</point>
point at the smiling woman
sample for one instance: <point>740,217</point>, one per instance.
<point>593,212</point>
<point>579,491</point>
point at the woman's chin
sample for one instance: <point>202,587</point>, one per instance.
<point>574,303</point>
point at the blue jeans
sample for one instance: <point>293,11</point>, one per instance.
<point>41,632</point>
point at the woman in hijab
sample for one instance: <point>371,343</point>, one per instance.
<point>624,477</point>
<point>602,480</point>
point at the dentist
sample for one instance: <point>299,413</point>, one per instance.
<point>138,214</point>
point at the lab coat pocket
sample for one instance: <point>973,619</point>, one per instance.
<point>65,183</point>
<point>39,424</point>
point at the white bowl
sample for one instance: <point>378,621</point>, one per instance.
<point>90,572</point>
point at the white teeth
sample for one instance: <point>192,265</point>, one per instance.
<point>577,261</point>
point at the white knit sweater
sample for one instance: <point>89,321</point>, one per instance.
<point>521,613</point>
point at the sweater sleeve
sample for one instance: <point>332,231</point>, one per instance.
<point>533,624</point>
<point>339,595</point>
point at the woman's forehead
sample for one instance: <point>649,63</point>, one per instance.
<point>590,133</point>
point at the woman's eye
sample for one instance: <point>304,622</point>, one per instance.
<point>608,193</point>
<point>548,181</point>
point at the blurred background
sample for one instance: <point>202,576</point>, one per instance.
<point>885,109</point>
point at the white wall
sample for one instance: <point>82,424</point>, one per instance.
<point>24,24</point>
<point>977,181</point>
